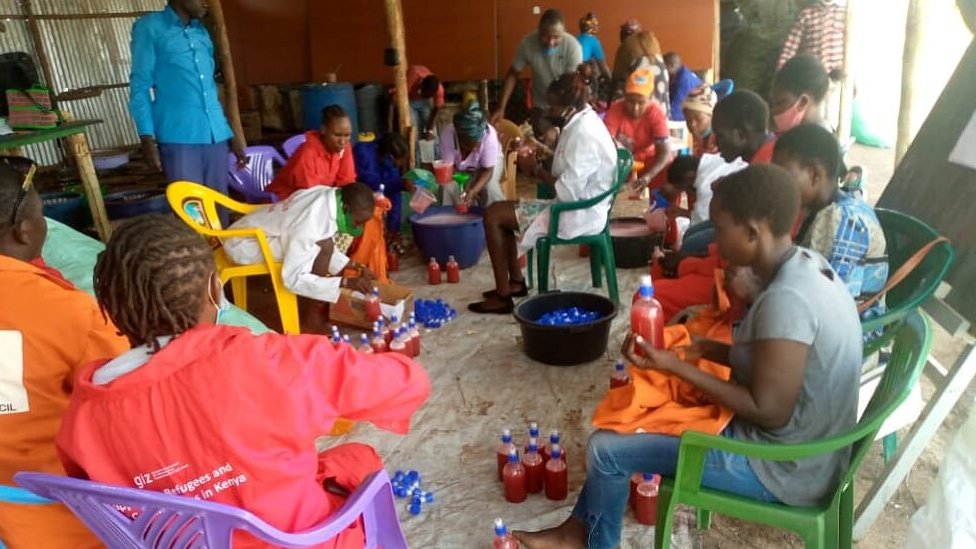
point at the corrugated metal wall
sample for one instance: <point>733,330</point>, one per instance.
<point>87,44</point>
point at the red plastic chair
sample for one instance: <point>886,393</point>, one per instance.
<point>179,522</point>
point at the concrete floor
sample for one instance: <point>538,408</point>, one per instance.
<point>483,383</point>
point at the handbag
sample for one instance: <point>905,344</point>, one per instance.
<point>31,109</point>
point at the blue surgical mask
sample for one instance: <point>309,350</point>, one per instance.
<point>222,306</point>
<point>551,51</point>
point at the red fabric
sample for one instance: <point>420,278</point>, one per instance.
<point>224,415</point>
<point>694,285</point>
<point>765,153</point>
<point>643,132</point>
<point>313,165</point>
<point>415,76</point>
<point>51,272</point>
<point>705,145</point>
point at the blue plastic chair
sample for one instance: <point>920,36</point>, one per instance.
<point>162,520</point>
<point>19,496</point>
<point>251,180</point>
<point>292,144</point>
<point>723,88</point>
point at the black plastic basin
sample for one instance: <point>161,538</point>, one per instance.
<point>565,345</point>
<point>633,252</point>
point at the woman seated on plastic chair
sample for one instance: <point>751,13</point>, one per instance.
<point>214,412</point>
<point>795,358</point>
<point>584,166</point>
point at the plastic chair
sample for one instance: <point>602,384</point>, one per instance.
<point>251,180</point>
<point>723,88</point>
<point>171,521</point>
<point>196,205</point>
<point>601,247</point>
<point>292,143</point>
<point>826,526</point>
<point>509,134</point>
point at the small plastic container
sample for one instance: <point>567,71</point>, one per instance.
<point>443,172</point>
<point>421,200</point>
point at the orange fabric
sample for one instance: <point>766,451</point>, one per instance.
<point>57,329</point>
<point>656,402</point>
<point>313,165</point>
<point>370,248</point>
<point>227,416</point>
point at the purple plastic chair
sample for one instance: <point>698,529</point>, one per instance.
<point>179,522</point>
<point>292,143</point>
<point>252,180</point>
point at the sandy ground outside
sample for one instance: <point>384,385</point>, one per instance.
<point>483,383</point>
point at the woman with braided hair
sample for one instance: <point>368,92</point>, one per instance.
<point>584,166</point>
<point>214,412</point>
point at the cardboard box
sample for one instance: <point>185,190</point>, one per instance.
<point>350,310</point>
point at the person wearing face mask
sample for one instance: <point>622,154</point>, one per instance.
<point>583,166</point>
<point>214,412</point>
<point>639,124</point>
<point>40,355</point>
<point>550,52</point>
<point>473,146</point>
<point>798,91</point>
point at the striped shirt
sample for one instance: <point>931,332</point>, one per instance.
<point>818,30</point>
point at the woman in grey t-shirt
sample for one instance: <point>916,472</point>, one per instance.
<point>795,358</point>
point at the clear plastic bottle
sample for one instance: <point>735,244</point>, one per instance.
<point>514,478</point>
<point>619,377</point>
<point>453,271</point>
<point>347,340</point>
<point>394,326</point>
<point>554,440</point>
<point>645,502</point>
<point>503,451</point>
<point>503,539</point>
<point>646,315</point>
<point>372,307</point>
<point>535,469</point>
<point>635,481</point>
<point>364,345</point>
<point>433,272</point>
<point>378,343</point>
<point>533,434</point>
<point>557,476</point>
<point>413,336</point>
<point>399,343</point>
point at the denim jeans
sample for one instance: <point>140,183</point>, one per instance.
<point>611,460</point>
<point>698,237</point>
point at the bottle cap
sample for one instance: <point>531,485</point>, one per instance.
<point>500,529</point>
<point>554,436</point>
<point>557,452</point>
<point>506,436</point>
<point>364,339</point>
<point>648,477</point>
<point>512,455</point>
<point>450,259</point>
<point>534,429</point>
<point>646,286</point>
<point>533,445</point>
<point>620,366</point>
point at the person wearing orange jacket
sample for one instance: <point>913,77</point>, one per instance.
<point>214,412</point>
<point>48,330</point>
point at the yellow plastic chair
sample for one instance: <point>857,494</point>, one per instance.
<point>196,205</point>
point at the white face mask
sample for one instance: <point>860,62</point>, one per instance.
<point>223,305</point>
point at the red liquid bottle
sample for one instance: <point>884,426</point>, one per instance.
<point>433,272</point>
<point>646,500</point>
<point>554,440</point>
<point>533,434</point>
<point>646,315</point>
<point>392,260</point>
<point>503,450</point>
<point>535,470</point>
<point>372,306</point>
<point>635,481</point>
<point>364,345</point>
<point>619,377</point>
<point>399,344</point>
<point>413,339</point>
<point>391,330</point>
<point>378,343</point>
<point>516,486</point>
<point>557,476</point>
<point>503,540</point>
<point>453,271</point>
<point>461,208</point>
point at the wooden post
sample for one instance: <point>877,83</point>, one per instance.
<point>40,48</point>
<point>394,26</point>
<point>912,51</point>
<point>78,147</point>
<point>231,105</point>
<point>717,43</point>
<point>847,85</point>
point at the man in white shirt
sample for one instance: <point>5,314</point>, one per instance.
<point>306,232</point>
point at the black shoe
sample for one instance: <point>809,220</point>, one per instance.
<point>521,293</point>
<point>504,308</point>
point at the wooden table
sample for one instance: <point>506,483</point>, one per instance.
<point>74,134</point>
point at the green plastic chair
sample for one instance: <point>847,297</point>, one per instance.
<point>905,235</point>
<point>601,247</point>
<point>823,527</point>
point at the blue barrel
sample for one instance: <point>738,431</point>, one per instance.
<point>369,100</point>
<point>316,97</point>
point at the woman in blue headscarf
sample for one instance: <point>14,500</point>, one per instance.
<point>473,146</point>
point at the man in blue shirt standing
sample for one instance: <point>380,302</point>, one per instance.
<point>683,82</point>
<point>173,97</point>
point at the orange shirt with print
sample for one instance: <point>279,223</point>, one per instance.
<point>48,330</point>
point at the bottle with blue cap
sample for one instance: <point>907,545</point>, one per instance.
<point>619,377</point>
<point>645,502</point>
<point>503,450</point>
<point>514,479</point>
<point>647,316</point>
<point>364,346</point>
<point>503,539</point>
<point>533,434</point>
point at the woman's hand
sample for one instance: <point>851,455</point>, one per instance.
<point>653,359</point>
<point>528,164</point>
<point>359,284</point>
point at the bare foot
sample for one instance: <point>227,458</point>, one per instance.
<point>568,535</point>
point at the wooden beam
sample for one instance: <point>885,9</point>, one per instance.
<point>910,65</point>
<point>717,43</point>
<point>847,84</point>
<point>39,47</point>
<point>394,27</point>
<point>222,42</point>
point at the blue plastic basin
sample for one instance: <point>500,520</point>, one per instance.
<point>465,240</point>
<point>69,208</point>
<point>125,204</point>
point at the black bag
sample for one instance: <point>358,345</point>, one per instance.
<point>17,72</point>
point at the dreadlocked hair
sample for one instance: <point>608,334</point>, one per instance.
<point>152,278</point>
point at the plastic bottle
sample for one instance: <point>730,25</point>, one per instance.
<point>635,481</point>
<point>372,306</point>
<point>557,476</point>
<point>392,260</point>
<point>399,344</point>
<point>433,272</point>
<point>646,315</point>
<point>554,440</point>
<point>503,540</point>
<point>347,340</point>
<point>503,450</point>
<point>453,271</point>
<point>619,377</point>
<point>535,469</point>
<point>414,338</point>
<point>378,343</point>
<point>533,434</point>
<point>364,345</point>
<point>513,475</point>
<point>380,194</point>
<point>394,328</point>
<point>385,331</point>
<point>336,337</point>
<point>645,501</point>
